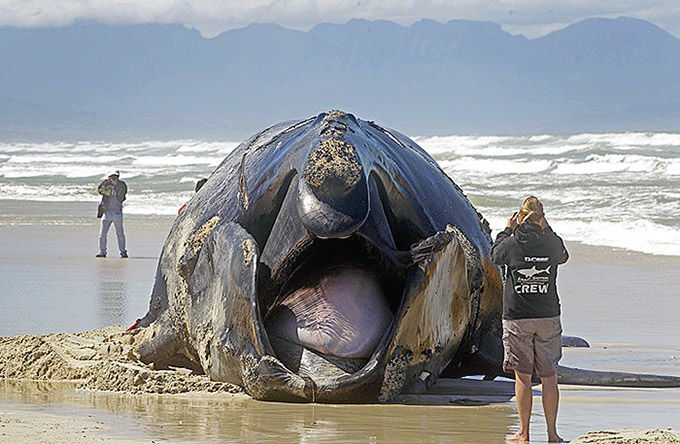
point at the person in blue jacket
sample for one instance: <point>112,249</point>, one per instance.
<point>113,191</point>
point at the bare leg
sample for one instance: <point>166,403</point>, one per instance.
<point>551,401</point>
<point>523,394</point>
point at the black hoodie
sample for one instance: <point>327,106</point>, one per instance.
<point>531,255</point>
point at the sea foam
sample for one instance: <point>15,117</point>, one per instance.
<point>612,189</point>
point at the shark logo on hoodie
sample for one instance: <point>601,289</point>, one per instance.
<point>531,280</point>
<point>533,271</point>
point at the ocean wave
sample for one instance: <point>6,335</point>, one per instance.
<point>176,160</point>
<point>223,148</point>
<point>458,144</point>
<point>69,159</point>
<point>637,235</point>
<point>673,167</point>
<point>34,147</point>
<point>141,203</point>
<point>48,193</point>
<point>490,167</point>
<point>547,144</point>
<point>627,139</point>
<point>9,171</point>
<point>88,160</point>
<point>611,163</point>
<point>189,179</point>
<point>158,203</point>
<point>617,189</point>
<point>541,138</point>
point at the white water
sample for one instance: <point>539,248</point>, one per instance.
<point>619,190</point>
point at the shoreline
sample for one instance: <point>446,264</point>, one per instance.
<point>29,413</point>
<point>21,423</point>
<point>623,302</point>
<point>76,213</point>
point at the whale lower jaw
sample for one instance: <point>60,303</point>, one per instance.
<point>429,325</point>
<point>348,367</point>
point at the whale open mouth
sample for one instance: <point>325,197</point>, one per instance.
<point>331,306</point>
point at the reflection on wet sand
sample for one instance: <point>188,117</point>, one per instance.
<point>198,417</point>
<point>52,282</point>
<point>111,292</point>
<point>202,417</point>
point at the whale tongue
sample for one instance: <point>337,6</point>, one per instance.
<point>337,310</point>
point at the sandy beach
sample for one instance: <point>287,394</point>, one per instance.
<point>307,155</point>
<point>19,424</point>
<point>623,303</point>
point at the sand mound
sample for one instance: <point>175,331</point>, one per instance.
<point>630,437</point>
<point>104,359</point>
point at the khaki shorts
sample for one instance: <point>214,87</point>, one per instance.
<point>532,346</point>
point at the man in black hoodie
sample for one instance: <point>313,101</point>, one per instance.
<point>531,252</point>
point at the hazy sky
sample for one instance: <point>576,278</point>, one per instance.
<point>529,17</point>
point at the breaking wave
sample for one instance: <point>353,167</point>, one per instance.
<point>617,190</point>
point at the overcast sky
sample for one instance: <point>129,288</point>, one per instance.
<point>529,17</point>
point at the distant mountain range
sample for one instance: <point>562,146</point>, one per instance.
<point>91,80</point>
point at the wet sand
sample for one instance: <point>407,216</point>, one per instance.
<point>626,436</point>
<point>51,281</point>
<point>22,422</point>
<point>41,411</point>
<point>625,304</point>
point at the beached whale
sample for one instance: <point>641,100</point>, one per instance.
<point>329,260</point>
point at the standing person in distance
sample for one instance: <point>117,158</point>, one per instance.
<point>199,185</point>
<point>532,331</point>
<point>113,191</point>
